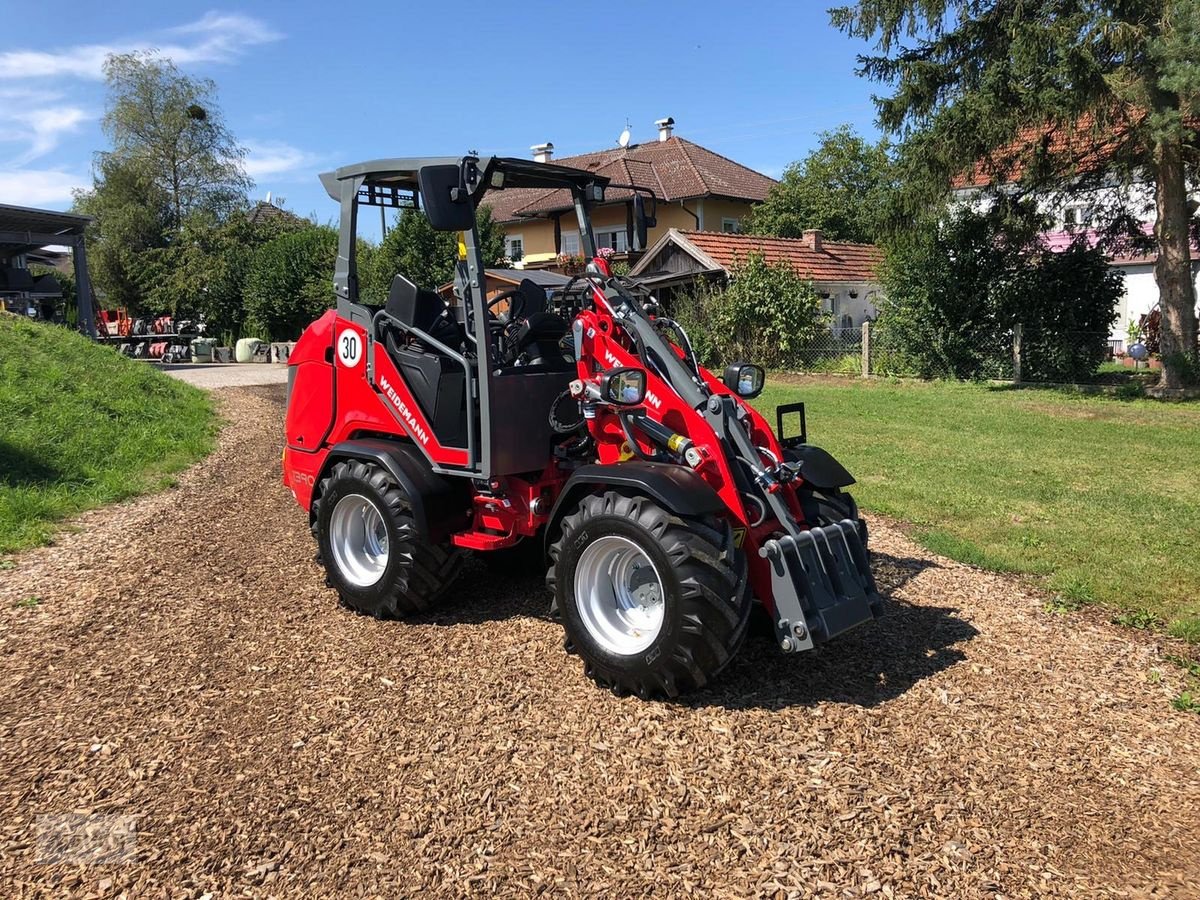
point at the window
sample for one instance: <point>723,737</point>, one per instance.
<point>570,243</point>
<point>514,247</point>
<point>731,226</point>
<point>612,237</point>
<point>834,304</point>
<point>1076,217</point>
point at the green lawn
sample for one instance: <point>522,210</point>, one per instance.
<point>81,426</point>
<point>1099,499</point>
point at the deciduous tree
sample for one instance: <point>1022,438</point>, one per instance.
<point>842,187</point>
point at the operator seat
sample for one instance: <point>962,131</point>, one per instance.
<point>534,338</point>
<point>436,380</point>
<point>425,310</point>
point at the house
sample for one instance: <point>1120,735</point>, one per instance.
<point>1076,212</point>
<point>696,189</point>
<point>500,280</point>
<point>845,275</point>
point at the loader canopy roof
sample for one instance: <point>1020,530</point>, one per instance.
<point>497,173</point>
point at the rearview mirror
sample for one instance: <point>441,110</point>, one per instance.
<point>643,221</point>
<point>744,379</point>
<point>446,211</point>
<point>625,387</point>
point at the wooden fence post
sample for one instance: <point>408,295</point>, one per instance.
<point>1016,353</point>
<point>866,349</point>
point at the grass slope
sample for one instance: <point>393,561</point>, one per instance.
<point>81,426</point>
<point>1099,499</point>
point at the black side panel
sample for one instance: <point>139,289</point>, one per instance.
<point>819,468</point>
<point>521,404</point>
<point>441,505</point>
<point>677,488</point>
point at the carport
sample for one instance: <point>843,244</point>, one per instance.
<point>24,230</point>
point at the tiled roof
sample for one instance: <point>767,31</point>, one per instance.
<point>674,169</point>
<point>835,261</point>
<point>1086,148</point>
<point>264,211</point>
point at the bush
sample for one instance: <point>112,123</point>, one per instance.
<point>767,314</point>
<point>290,282</point>
<point>954,289</point>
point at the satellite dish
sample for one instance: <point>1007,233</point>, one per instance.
<point>623,140</point>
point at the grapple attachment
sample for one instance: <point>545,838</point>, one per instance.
<point>822,585</point>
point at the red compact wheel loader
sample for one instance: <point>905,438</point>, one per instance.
<point>570,429</point>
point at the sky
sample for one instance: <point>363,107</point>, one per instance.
<point>307,87</point>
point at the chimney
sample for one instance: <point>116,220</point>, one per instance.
<point>542,152</point>
<point>812,239</point>
<point>665,127</point>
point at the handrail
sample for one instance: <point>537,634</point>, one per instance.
<point>459,358</point>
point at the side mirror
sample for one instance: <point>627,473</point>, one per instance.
<point>625,387</point>
<point>440,190</point>
<point>745,380</point>
<point>642,220</point>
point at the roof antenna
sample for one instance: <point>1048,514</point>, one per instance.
<point>623,140</point>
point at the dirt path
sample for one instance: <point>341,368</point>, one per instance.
<point>187,667</point>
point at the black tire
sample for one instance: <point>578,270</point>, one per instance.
<point>826,506</point>
<point>706,600</point>
<point>417,573</point>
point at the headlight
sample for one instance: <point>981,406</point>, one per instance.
<point>745,380</point>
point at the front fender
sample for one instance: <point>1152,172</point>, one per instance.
<point>818,467</point>
<point>677,488</point>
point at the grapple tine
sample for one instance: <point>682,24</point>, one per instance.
<point>822,585</point>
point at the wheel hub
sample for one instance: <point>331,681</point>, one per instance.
<point>358,539</point>
<point>619,595</point>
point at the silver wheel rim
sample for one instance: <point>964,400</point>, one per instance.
<point>358,539</point>
<point>619,595</point>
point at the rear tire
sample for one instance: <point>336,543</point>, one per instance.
<point>653,603</point>
<point>370,547</point>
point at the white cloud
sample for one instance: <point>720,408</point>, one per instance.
<point>273,159</point>
<point>216,37</point>
<point>41,129</point>
<point>39,187</point>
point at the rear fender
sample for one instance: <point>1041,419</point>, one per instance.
<point>441,505</point>
<point>676,488</point>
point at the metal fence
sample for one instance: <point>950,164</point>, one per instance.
<point>1022,355</point>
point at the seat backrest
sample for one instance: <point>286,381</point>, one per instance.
<point>533,297</point>
<point>424,310</point>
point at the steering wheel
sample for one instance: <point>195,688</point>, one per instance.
<point>514,296</point>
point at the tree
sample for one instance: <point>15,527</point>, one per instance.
<point>424,256</point>
<point>842,188</point>
<point>130,216</point>
<point>159,196</point>
<point>1050,92</point>
<point>290,282</point>
<point>955,288</point>
<point>171,129</point>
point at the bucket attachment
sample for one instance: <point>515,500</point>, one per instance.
<point>822,585</point>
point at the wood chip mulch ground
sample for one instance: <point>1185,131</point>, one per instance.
<point>186,676</point>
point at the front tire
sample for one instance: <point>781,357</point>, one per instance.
<point>373,555</point>
<point>653,603</point>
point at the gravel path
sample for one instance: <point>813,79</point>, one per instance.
<point>187,667</point>
<point>224,375</point>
